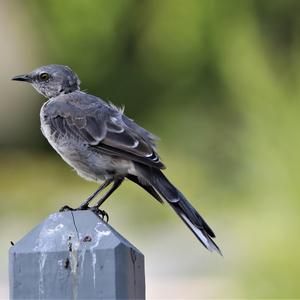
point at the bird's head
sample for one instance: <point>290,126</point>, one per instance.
<point>52,80</point>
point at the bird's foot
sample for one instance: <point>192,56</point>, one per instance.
<point>101,213</point>
<point>66,208</point>
<point>95,209</point>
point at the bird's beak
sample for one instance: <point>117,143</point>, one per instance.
<point>24,77</point>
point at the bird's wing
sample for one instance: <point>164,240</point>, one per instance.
<point>103,127</point>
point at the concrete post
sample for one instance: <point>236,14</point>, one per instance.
<point>75,255</point>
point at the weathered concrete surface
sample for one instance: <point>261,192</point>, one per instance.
<point>75,255</point>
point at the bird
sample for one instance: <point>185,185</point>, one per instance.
<point>103,145</point>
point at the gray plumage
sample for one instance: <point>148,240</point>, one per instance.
<point>102,144</point>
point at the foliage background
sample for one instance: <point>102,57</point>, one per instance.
<point>219,82</point>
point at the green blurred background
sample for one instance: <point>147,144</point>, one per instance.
<point>219,82</point>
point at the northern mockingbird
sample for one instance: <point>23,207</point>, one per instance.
<point>103,145</point>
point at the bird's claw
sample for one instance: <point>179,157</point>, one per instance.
<point>66,208</point>
<point>101,213</point>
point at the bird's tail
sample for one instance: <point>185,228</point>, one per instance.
<point>182,207</point>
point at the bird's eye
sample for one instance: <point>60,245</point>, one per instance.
<point>44,76</point>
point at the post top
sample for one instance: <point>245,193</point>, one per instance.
<point>78,229</point>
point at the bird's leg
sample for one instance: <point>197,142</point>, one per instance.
<point>102,213</point>
<point>85,204</point>
<point>116,184</point>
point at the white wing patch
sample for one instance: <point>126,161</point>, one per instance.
<point>114,119</point>
<point>136,143</point>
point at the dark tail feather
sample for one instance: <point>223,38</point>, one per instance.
<point>146,187</point>
<point>183,208</point>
